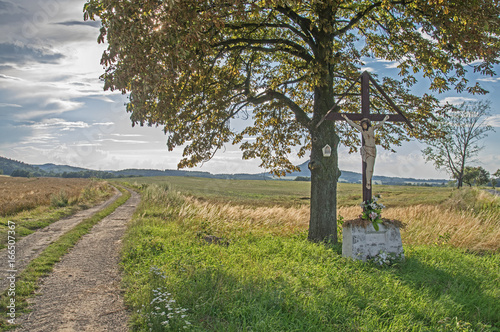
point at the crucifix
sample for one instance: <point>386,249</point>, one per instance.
<point>366,128</point>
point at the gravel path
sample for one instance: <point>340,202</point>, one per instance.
<point>29,247</point>
<point>83,292</point>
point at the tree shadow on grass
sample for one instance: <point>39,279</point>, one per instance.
<point>226,302</point>
<point>454,283</point>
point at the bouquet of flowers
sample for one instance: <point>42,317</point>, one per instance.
<point>372,210</point>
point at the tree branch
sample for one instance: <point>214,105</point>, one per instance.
<point>357,18</point>
<point>305,24</point>
<point>305,38</point>
<point>269,95</point>
<point>299,50</point>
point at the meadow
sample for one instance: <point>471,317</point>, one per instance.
<point>289,193</point>
<point>263,274</point>
<point>33,203</point>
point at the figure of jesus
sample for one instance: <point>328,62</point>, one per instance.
<point>368,150</point>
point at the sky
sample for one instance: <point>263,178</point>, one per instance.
<point>53,108</point>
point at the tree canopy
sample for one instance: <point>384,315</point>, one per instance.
<point>476,176</point>
<point>192,65</point>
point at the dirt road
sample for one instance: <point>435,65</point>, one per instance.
<point>83,292</point>
<point>29,247</point>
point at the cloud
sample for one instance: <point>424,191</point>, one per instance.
<point>94,24</point>
<point>489,79</point>
<point>10,12</point>
<point>12,78</point>
<point>456,100</point>
<point>127,135</point>
<point>23,54</point>
<point>124,141</point>
<point>493,120</point>
<point>58,123</point>
<point>9,105</point>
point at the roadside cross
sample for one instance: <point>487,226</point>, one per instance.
<point>368,146</point>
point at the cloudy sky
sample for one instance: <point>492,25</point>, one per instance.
<point>53,108</point>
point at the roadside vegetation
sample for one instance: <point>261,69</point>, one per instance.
<point>35,203</point>
<point>239,261</point>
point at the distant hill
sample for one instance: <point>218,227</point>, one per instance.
<point>352,177</point>
<point>9,166</point>
<point>59,168</point>
<point>171,172</point>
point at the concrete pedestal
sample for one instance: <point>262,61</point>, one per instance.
<point>363,243</point>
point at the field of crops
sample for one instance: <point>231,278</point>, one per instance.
<point>34,203</point>
<point>19,194</point>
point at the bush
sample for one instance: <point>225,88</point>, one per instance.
<point>59,200</point>
<point>302,178</point>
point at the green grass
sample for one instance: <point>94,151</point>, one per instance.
<point>291,193</point>
<point>263,282</point>
<point>27,281</point>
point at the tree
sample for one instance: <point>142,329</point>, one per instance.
<point>494,178</point>
<point>192,65</point>
<point>475,176</point>
<point>463,128</point>
<point>21,173</point>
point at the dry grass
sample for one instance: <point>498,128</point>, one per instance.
<point>470,219</point>
<point>225,218</point>
<point>19,194</point>
<point>425,224</point>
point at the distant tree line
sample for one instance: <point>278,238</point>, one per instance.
<point>80,175</point>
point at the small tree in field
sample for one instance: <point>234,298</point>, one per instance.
<point>464,127</point>
<point>192,65</point>
<point>475,176</point>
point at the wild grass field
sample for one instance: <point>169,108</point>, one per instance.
<point>290,193</point>
<point>34,203</point>
<point>263,274</point>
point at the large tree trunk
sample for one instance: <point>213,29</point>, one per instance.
<point>324,176</point>
<point>324,170</point>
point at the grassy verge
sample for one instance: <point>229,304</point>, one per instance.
<point>266,277</point>
<point>41,266</point>
<point>60,206</point>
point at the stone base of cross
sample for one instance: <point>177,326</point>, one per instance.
<point>333,115</point>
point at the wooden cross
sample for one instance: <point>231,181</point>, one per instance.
<point>334,115</point>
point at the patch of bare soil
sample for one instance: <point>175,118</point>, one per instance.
<point>30,246</point>
<point>83,292</point>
